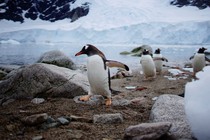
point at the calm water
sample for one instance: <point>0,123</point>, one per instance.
<point>29,53</point>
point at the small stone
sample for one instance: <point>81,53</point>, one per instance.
<point>63,121</point>
<point>38,100</point>
<point>108,118</point>
<point>35,119</point>
<point>38,138</point>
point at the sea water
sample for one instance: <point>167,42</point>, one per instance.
<point>29,53</point>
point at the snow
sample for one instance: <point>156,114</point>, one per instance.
<point>197,105</point>
<point>117,21</point>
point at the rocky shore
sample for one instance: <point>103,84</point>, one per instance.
<point>40,101</point>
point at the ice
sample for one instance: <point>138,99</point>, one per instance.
<point>10,41</point>
<point>197,105</point>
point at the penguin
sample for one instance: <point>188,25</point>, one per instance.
<point>199,60</point>
<point>158,60</point>
<point>148,65</point>
<point>98,72</point>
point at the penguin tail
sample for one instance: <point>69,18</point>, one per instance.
<point>112,63</point>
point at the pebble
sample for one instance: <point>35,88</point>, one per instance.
<point>38,100</point>
<point>63,121</point>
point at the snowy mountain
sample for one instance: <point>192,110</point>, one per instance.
<point>117,21</point>
<point>48,10</point>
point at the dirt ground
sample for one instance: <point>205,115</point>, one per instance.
<point>11,114</point>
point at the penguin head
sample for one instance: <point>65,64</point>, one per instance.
<point>145,52</point>
<point>157,51</point>
<point>201,50</point>
<point>89,50</point>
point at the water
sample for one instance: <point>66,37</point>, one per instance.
<point>23,54</point>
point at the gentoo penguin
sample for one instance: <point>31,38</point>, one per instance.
<point>158,60</point>
<point>98,72</point>
<point>199,60</point>
<point>148,65</point>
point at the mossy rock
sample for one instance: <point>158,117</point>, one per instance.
<point>138,51</point>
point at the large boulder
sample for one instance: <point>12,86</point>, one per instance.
<point>57,58</point>
<point>170,108</point>
<point>44,80</point>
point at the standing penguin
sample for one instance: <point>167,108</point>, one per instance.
<point>148,65</point>
<point>199,60</point>
<point>98,72</point>
<point>158,60</point>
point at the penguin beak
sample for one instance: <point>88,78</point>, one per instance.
<point>79,53</point>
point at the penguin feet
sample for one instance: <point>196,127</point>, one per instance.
<point>84,98</point>
<point>108,101</point>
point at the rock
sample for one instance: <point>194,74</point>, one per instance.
<point>57,58</point>
<point>9,101</point>
<point>44,80</point>
<point>63,121</point>
<point>108,118</point>
<point>2,74</point>
<point>81,119</point>
<point>38,138</point>
<point>99,100</point>
<point>35,119</point>
<point>38,100</point>
<point>170,108</point>
<point>121,73</point>
<point>46,126</point>
<point>144,131</point>
<point>9,68</point>
<point>138,51</point>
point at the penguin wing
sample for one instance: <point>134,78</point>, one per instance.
<point>164,59</point>
<point>207,59</point>
<point>191,57</point>
<point>112,63</point>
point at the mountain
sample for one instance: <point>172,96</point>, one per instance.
<point>117,21</point>
<point>48,10</point>
<point>201,4</point>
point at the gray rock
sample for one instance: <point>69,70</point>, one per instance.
<point>58,58</point>
<point>63,121</point>
<point>108,118</point>
<point>2,74</point>
<point>38,100</point>
<point>170,108</point>
<point>150,131</point>
<point>99,100</point>
<point>35,119</point>
<point>9,68</point>
<point>44,80</point>
<point>46,126</point>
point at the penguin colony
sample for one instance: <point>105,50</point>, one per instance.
<point>99,75</point>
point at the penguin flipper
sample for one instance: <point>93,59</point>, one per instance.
<point>164,59</point>
<point>191,57</point>
<point>207,59</point>
<point>112,63</point>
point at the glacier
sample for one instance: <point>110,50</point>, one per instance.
<point>142,33</point>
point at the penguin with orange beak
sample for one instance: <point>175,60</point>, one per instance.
<point>98,73</point>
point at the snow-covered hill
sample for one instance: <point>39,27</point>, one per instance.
<point>119,21</point>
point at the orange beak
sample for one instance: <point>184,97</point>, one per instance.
<point>79,53</point>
